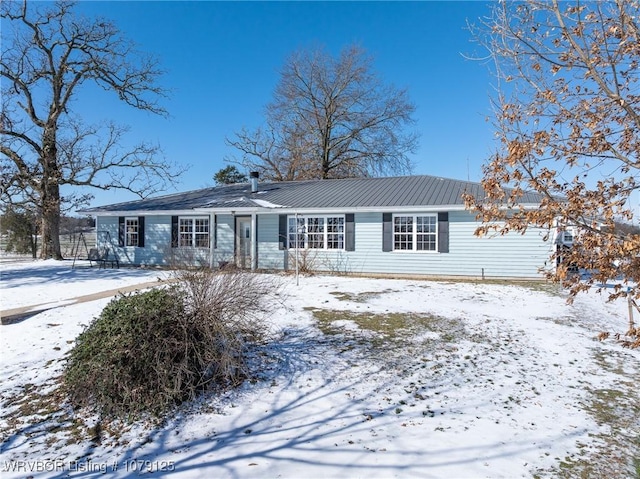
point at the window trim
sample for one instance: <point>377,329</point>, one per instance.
<point>342,235</point>
<point>414,234</point>
<point>193,233</point>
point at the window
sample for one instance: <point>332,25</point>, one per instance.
<point>316,232</point>
<point>335,233</point>
<point>415,233</point>
<point>131,231</point>
<point>426,233</point>
<point>193,232</point>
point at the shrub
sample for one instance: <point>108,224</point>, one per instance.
<point>149,351</point>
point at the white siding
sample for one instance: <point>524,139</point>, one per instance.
<point>225,243</point>
<point>512,255</point>
<point>157,240</point>
<point>107,231</point>
<point>270,256</point>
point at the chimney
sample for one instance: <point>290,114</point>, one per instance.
<point>253,179</point>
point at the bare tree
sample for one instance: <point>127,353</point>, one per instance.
<point>567,115</point>
<point>48,54</point>
<point>330,118</point>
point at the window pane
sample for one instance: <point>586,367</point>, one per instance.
<point>296,232</point>
<point>186,224</point>
<point>403,242</point>
<point>426,242</point>
<point>402,233</point>
<point>186,232</point>
<point>200,233</point>
<point>335,241</point>
<point>131,232</point>
<point>315,233</point>
<point>335,225</point>
<point>193,232</point>
<point>202,225</point>
<point>202,240</point>
<point>335,233</point>
<point>426,233</point>
<point>426,224</point>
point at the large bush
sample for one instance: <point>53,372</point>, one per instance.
<point>149,351</point>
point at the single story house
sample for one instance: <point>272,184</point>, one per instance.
<point>411,225</point>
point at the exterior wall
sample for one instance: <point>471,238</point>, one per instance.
<point>157,245</point>
<point>270,256</point>
<point>502,256</point>
<point>107,234</point>
<point>225,240</point>
<point>511,255</point>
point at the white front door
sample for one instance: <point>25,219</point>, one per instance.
<point>243,242</point>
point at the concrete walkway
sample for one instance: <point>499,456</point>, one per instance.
<point>15,315</point>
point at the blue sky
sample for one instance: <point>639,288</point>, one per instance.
<point>222,61</point>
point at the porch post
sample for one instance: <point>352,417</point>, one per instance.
<point>212,235</point>
<point>254,241</point>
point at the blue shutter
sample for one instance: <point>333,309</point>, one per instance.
<point>387,232</point>
<point>349,232</point>
<point>282,232</point>
<point>174,231</point>
<point>141,231</point>
<point>121,231</point>
<point>443,232</point>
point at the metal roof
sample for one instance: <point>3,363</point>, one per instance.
<point>383,193</point>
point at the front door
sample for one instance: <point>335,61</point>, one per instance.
<point>243,242</point>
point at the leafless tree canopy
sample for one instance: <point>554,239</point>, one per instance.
<point>48,53</point>
<point>330,118</point>
<point>567,113</point>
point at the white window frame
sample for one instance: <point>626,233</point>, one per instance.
<point>316,232</point>
<point>406,233</point>
<point>193,236</point>
<point>131,231</point>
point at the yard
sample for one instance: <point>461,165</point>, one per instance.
<point>372,378</point>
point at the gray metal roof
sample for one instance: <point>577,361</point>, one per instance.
<point>383,193</point>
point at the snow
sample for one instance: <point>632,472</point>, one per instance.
<point>485,380</point>
<point>29,283</point>
<point>265,203</point>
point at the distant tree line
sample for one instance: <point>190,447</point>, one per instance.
<point>21,230</point>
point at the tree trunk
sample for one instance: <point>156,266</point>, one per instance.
<point>34,238</point>
<point>50,196</point>
<point>51,230</point>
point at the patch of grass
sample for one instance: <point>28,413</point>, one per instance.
<point>32,411</point>
<point>390,326</point>
<point>616,452</point>
<point>358,297</point>
<point>386,329</point>
<point>541,286</point>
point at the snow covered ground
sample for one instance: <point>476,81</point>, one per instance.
<point>364,378</point>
